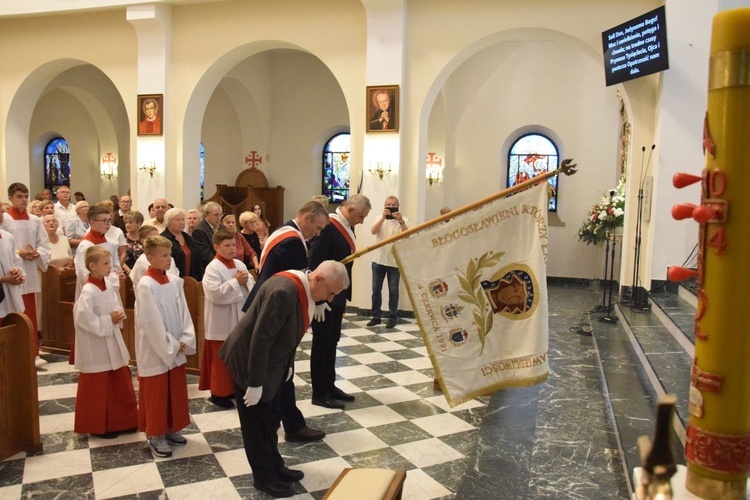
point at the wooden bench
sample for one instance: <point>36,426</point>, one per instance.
<point>58,331</point>
<point>19,399</point>
<point>367,484</point>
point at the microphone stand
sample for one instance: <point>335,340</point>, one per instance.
<point>610,318</point>
<point>635,304</point>
<point>603,306</point>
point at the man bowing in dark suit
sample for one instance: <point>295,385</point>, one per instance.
<point>259,355</point>
<point>336,242</point>
<point>286,249</point>
<point>203,238</point>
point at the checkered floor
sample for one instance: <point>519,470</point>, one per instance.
<point>398,421</point>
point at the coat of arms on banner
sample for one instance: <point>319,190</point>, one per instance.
<point>481,297</point>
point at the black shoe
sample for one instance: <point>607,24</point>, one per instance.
<point>107,435</point>
<point>328,402</point>
<point>224,402</point>
<point>373,322</point>
<point>337,393</point>
<point>304,434</point>
<point>390,323</point>
<point>275,488</point>
<point>289,475</point>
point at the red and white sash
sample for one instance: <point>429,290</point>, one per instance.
<point>343,227</point>
<point>307,304</point>
<point>281,234</point>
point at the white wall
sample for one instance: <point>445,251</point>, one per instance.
<point>511,88</point>
<point>222,140</point>
<point>679,137</point>
<point>308,106</point>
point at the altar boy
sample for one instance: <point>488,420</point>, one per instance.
<point>105,402</point>
<point>32,245</point>
<point>11,274</point>
<point>226,284</point>
<point>164,335</point>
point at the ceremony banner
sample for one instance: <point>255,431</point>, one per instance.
<point>478,287</point>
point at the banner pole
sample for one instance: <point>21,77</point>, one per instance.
<point>566,167</point>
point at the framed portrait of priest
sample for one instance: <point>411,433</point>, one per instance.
<point>382,108</point>
<point>150,120</point>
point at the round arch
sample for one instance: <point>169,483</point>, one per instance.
<point>86,84</point>
<point>220,73</point>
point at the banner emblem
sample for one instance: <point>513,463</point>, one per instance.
<point>451,311</point>
<point>459,336</point>
<point>512,292</point>
<point>438,289</point>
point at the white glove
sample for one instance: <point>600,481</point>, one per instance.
<point>320,312</point>
<point>289,374</point>
<point>252,396</point>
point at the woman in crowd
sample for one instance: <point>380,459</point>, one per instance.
<point>262,228</point>
<point>244,252</point>
<point>34,208</point>
<point>47,207</point>
<point>193,218</point>
<point>249,221</point>
<point>182,243</point>
<point>133,222</point>
<point>61,255</point>
<point>78,226</point>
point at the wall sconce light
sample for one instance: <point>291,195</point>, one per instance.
<point>148,167</point>
<point>108,167</point>
<point>434,166</point>
<point>380,168</point>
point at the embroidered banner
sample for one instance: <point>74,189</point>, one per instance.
<point>478,287</point>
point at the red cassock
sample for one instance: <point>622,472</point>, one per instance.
<point>163,402</point>
<point>214,375</point>
<point>105,402</point>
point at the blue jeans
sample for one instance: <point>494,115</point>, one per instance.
<point>379,272</point>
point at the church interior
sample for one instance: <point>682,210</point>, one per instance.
<point>246,85</point>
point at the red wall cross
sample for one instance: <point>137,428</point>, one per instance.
<point>253,159</point>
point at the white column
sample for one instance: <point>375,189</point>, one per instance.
<point>384,66</point>
<point>152,24</point>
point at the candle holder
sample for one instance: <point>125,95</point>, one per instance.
<point>380,168</point>
<point>148,167</point>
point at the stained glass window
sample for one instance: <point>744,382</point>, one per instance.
<point>336,168</point>
<point>56,164</point>
<point>203,171</point>
<point>532,155</point>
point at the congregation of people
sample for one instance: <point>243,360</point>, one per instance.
<point>262,289</point>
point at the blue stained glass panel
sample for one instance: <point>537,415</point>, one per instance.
<point>56,164</point>
<point>532,155</point>
<point>203,171</point>
<point>336,165</point>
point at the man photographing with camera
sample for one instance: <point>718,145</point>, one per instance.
<point>390,223</point>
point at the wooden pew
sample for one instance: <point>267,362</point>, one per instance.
<point>19,399</point>
<point>58,294</point>
<point>58,331</point>
<point>195,297</point>
<point>127,297</point>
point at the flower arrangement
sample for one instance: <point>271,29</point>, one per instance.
<point>605,216</point>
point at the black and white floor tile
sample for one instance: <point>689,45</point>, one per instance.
<point>398,421</point>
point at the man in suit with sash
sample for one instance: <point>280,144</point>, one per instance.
<point>285,249</point>
<point>336,242</point>
<point>259,355</point>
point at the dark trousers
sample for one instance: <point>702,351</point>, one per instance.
<point>259,424</point>
<point>291,417</point>
<point>326,337</point>
<point>379,272</point>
